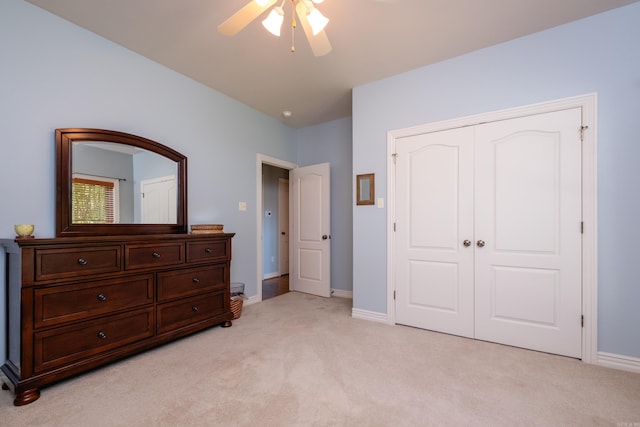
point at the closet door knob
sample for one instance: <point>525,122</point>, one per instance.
<point>467,243</point>
<point>480,243</point>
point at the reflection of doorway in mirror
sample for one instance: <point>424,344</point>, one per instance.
<point>158,202</point>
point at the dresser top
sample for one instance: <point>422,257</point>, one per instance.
<point>148,238</point>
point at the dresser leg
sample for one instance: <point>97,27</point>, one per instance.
<point>226,324</point>
<point>26,397</point>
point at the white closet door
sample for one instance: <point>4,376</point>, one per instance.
<point>528,215</point>
<point>512,189</point>
<point>434,206</point>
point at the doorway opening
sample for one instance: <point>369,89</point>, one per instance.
<point>275,231</point>
<point>272,246</point>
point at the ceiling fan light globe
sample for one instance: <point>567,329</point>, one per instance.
<point>273,22</point>
<point>318,1</point>
<point>261,2</point>
<point>317,21</point>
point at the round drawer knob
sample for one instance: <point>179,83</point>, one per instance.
<point>82,261</point>
<point>195,309</point>
<point>208,250</point>
<point>195,280</point>
<point>102,297</point>
<point>102,335</point>
<point>155,255</point>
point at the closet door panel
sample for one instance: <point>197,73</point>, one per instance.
<point>528,215</point>
<point>434,216</point>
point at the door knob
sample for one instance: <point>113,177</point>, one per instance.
<point>467,243</point>
<point>480,243</point>
<point>325,237</point>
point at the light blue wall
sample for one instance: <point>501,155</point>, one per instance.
<point>54,74</point>
<point>598,54</point>
<point>331,142</point>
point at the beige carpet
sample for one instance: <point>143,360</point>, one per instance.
<point>298,360</point>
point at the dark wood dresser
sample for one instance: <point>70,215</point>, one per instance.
<point>77,303</point>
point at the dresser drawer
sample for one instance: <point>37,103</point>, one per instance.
<point>175,315</point>
<point>72,262</point>
<point>209,250</point>
<point>64,345</point>
<point>67,303</point>
<point>192,281</point>
<point>153,255</point>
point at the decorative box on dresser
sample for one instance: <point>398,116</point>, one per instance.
<point>76,303</point>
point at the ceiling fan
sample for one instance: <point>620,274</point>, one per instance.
<point>312,21</point>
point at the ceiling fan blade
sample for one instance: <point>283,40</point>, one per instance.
<point>243,17</point>
<point>320,42</point>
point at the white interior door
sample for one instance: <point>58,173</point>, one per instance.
<point>528,214</point>
<point>159,200</point>
<point>434,205</point>
<point>311,230</point>
<point>283,225</point>
<point>511,190</point>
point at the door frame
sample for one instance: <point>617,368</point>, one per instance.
<point>587,103</point>
<point>282,182</point>
<point>283,164</point>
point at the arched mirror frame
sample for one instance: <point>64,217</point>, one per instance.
<point>64,145</point>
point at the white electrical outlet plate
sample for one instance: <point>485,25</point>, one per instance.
<point>242,206</point>
<point>380,202</point>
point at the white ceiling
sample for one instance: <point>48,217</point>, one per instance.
<point>371,39</point>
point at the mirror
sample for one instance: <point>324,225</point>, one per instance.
<point>365,189</point>
<point>111,183</point>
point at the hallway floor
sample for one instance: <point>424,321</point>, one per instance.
<point>275,287</point>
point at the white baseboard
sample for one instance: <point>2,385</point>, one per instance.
<point>251,300</point>
<point>373,316</point>
<point>339,293</point>
<point>617,361</point>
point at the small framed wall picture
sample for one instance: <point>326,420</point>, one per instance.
<point>365,189</point>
